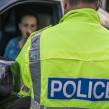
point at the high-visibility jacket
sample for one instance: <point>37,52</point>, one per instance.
<point>67,66</point>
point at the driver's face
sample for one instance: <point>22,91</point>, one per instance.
<point>28,23</point>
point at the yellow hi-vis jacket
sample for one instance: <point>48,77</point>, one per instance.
<point>67,66</point>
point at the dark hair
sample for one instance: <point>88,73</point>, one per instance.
<point>27,13</point>
<point>83,1</point>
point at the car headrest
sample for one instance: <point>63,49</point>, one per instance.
<point>44,20</point>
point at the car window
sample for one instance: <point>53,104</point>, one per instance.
<point>47,14</point>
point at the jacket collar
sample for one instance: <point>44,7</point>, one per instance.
<point>82,15</point>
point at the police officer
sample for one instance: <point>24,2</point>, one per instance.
<point>67,66</point>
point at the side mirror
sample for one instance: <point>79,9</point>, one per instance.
<point>9,76</point>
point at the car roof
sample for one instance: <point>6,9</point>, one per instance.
<point>5,3</point>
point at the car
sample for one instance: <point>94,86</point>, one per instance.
<point>49,12</point>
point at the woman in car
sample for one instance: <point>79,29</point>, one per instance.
<point>28,23</point>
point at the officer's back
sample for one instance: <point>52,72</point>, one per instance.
<point>69,63</point>
<point>75,59</point>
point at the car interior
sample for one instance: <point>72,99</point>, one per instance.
<point>47,14</point>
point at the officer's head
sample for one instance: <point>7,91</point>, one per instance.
<point>78,4</point>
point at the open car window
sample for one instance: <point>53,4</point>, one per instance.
<point>47,13</point>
